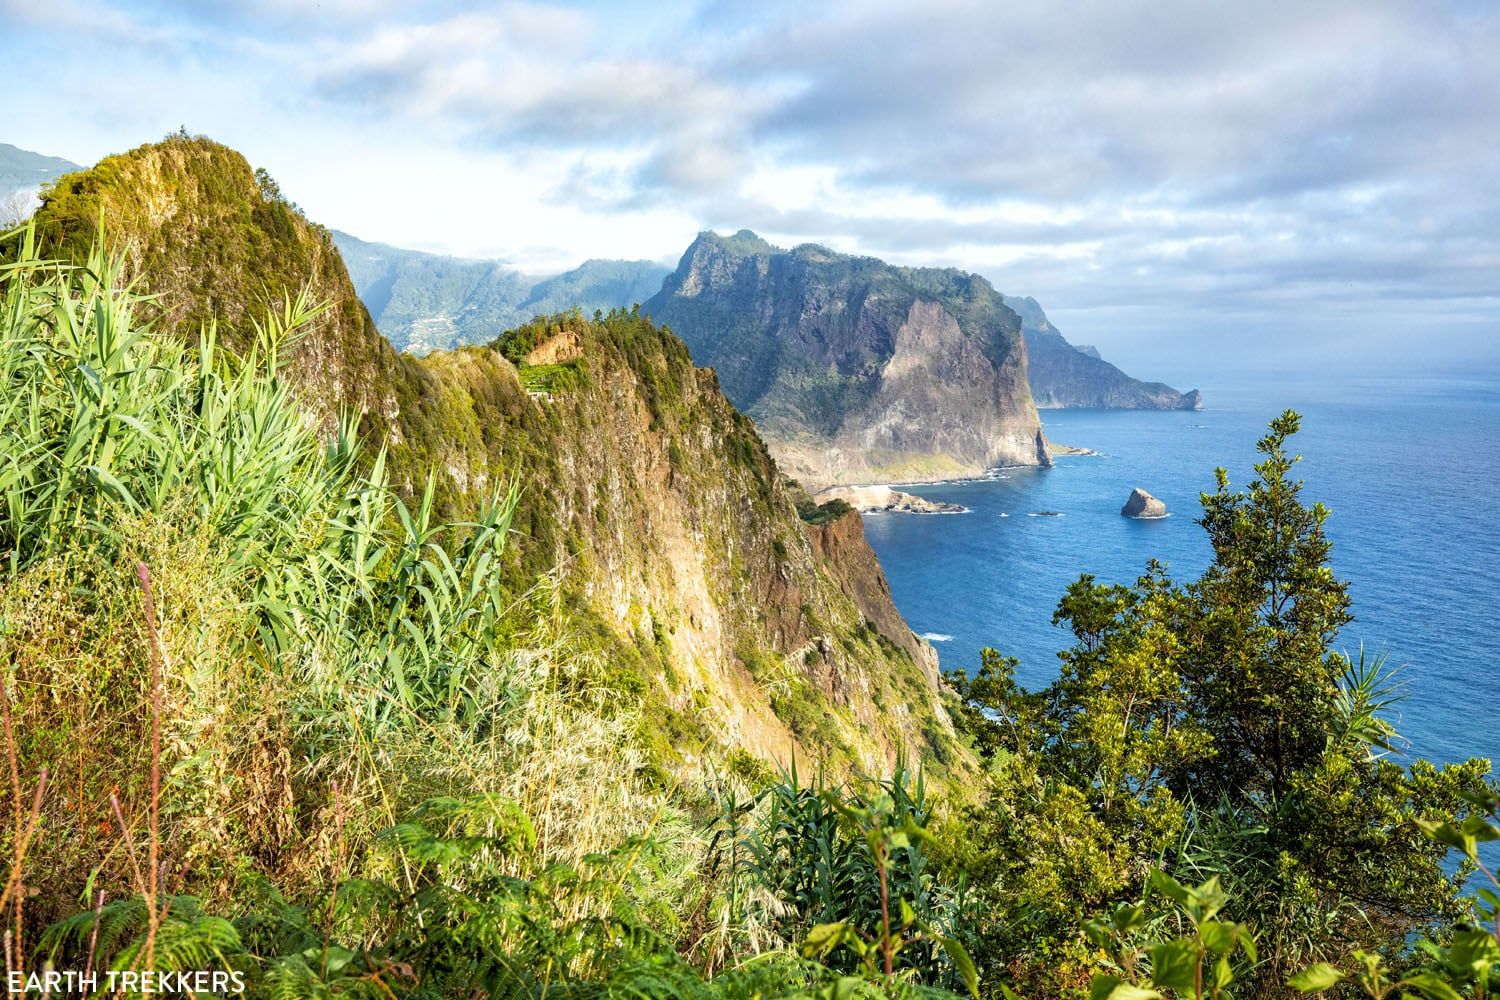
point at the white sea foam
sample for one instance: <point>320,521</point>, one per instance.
<point>937,637</point>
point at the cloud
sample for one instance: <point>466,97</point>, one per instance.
<point>1194,158</point>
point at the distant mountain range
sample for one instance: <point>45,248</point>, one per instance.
<point>424,302</point>
<point>21,168</point>
<point>22,172</point>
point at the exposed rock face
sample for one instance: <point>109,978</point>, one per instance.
<point>559,350</point>
<point>674,545</point>
<point>842,544</point>
<point>1144,505</point>
<point>1068,376</point>
<point>870,499</point>
<point>855,370</point>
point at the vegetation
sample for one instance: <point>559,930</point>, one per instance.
<point>1210,732</point>
<point>821,513</point>
<point>644,500</point>
<point>266,710</point>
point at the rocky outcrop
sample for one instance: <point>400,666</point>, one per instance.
<point>562,349</point>
<point>855,370</point>
<point>843,546</point>
<point>1068,376</point>
<point>879,499</point>
<point>1143,505</point>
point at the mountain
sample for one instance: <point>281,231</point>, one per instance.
<point>596,284</point>
<point>1065,376</point>
<point>424,301</point>
<point>653,527</point>
<point>855,370</point>
<point>21,169</point>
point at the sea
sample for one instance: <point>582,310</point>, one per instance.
<point>1409,467</point>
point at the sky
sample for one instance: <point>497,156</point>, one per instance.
<point>1198,188</point>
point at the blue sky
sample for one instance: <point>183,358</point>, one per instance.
<point>1195,187</point>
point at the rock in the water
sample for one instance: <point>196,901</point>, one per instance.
<point>1143,504</point>
<point>874,499</point>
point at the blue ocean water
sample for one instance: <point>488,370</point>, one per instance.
<point>1409,467</point>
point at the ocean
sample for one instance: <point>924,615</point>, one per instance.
<point>1409,467</point>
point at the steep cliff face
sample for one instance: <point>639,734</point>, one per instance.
<point>649,504</point>
<point>1064,375</point>
<point>855,370</point>
<point>842,544</point>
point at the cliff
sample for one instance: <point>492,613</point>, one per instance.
<point>650,507</point>
<point>1064,375</point>
<point>855,370</point>
<point>842,544</point>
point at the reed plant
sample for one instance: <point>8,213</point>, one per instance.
<point>265,712</point>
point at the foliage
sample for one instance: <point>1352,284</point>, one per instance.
<point>335,752</point>
<point>844,873</point>
<point>1210,729</point>
<point>822,513</point>
<point>1198,963</point>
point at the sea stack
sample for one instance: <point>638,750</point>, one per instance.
<point>1144,505</point>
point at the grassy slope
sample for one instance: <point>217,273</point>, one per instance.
<point>678,552</point>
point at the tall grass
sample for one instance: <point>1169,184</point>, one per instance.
<point>263,712</point>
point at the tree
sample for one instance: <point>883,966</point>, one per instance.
<point>1216,732</point>
<point>1257,650</point>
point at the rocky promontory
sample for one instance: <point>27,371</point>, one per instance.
<point>1068,376</point>
<point>875,499</point>
<point>855,370</point>
<point>1143,505</point>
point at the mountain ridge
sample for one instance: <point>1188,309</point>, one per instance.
<point>856,370</point>
<point>21,169</point>
<point>423,301</point>
<point>647,501</point>
<point>1064,375</point>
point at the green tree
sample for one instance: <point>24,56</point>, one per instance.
<point>1257,649</point>
<point>1216,731</point>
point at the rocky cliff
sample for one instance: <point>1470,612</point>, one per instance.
<point>650,508</point>
<point>1064,375</point>
<point>855,370</point>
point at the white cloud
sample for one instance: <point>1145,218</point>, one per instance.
<point>1190,159</point>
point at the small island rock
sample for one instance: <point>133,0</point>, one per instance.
<point>1143,504</point>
